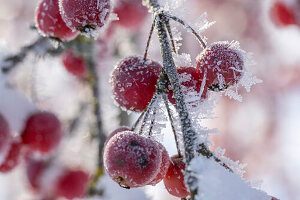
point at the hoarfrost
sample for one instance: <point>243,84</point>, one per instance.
<point>182,59</point>
<point>216,182</point>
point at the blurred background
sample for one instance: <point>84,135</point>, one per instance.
<point>262,131</point>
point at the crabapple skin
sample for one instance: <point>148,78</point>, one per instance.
<point>222,64</point>
<point>133,82</point>
<point>131,13</point>
<point>72,184</point>
<point>5,136</point>
<point>282,15</point>
<point>118,130</point>
<point>132,160</point>
<point>42,132</point>
<point>82,14</point>
<point>12,158</point>
<point>191,85</point>
<point>74,64</point>
<point>50,23</point>
<point>164,165</point>
<point>174,179</point>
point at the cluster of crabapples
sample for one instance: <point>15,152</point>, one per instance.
<point>133,160</point>
<point>40,137</point>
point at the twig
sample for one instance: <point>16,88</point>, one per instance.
<point>149,38</point>
<point>187,27</point>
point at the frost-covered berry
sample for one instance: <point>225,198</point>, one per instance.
<point>118,130</point>
<point>72,183</point>
<point>74,63</point>
<point>12,158</point>
<point>42,132</point>
<point>222,64</point>
<point>5,136</point>
<point>164,165</point>
<point>273,198</point>
<point>133,82</point>
<point>131,13</point>
<point>34,172</point>
<point>281,14</point>
<point>190,84</point>
<point>49,22</point>
<point>174,179</point>
<point>85,15</point>
<point>132,160</point>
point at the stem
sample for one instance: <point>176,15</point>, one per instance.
<point>148,109</point>
<point>172,124</point>
<point>187,27</point>
<point>152,121</point>
<point>138,120</point>
<point>149,39</point>
<point>171,35</point>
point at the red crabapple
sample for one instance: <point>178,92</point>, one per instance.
<point>133,82</point>
<point>5,136</point>
<point>50,23</point>
<point>282,15</point>
<point>42,132</point>
<point>222,64</point>
<point>74,63</point>
<point>118,130</point>
<point>190,83</point>
<point>34,172</point>
<point>85,15</point>
<point>131,13</point>
<point>164,165</point>
<point>132,160</point>
<point>72,183</point>
<point>174,179</point>
<point>12,158</point>
<point>273,198</point>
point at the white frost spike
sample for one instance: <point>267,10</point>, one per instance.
<point>216,182</point>
<point>182,60</point>
<point>248,80</point>
<point>201,23</point>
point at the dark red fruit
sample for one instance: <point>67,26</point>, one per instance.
<point>74,63</point>
<point>72,184</point>
<point>34,172</point>
<point>190,84</point>
<point>174,179</point>
<point>12,158</point>
<point>132,160</point>
<point>163,167</point>
<point>221,63</point>
<point>118,130</point>
<point>42,132</point>
<point>5,136</point>
<point>84,15</point>
<point>282,15</point>
<point>50,23</point>
<point>131,13</point>
<point>133,82</point>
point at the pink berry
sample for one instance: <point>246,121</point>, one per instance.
<point>50,23</point>
<point>85,14</point>
<point>74,64</point>
<point>42,132</point>
<point>5,136</point>
<point>174,179</point>
<point>118,130</point>
<point>282,15</point>
<point>273,198</point>
<point>131,13</point>
<point>221,64</point>
<point>163,167</point>
<point>72,184</point>
<point>190,83</point>
<point>133,82</point>
<point>34,172</point>
<point>12,159</point>
<point>132,160</point>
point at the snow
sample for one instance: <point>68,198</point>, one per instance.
<point>216,182</point>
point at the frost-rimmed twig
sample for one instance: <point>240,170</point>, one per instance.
<point>42,46</point>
